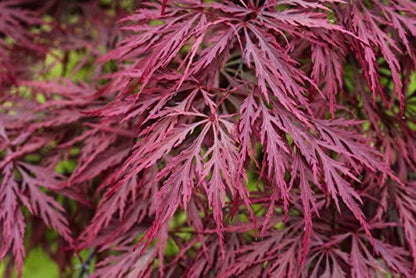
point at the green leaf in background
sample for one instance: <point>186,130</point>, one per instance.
<point>37,265</point>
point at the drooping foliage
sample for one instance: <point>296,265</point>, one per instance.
<point>209,138</point>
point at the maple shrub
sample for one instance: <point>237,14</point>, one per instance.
<point>189,138</point>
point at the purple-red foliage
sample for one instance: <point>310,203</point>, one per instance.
<point>210,138</point>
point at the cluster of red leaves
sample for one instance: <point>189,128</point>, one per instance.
<point>218,138</point>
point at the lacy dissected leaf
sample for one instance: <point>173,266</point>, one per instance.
<point>329,73</point>
<point>41,204</point>
<point>27,190</point>
<point>281,245</point>
<point>178,129</point>
<point>336,173</point>
<point>11,219</point>
<point>363,262</point>
<point>366,24</point>
<point>15,23</point>
<point>406,206</point>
